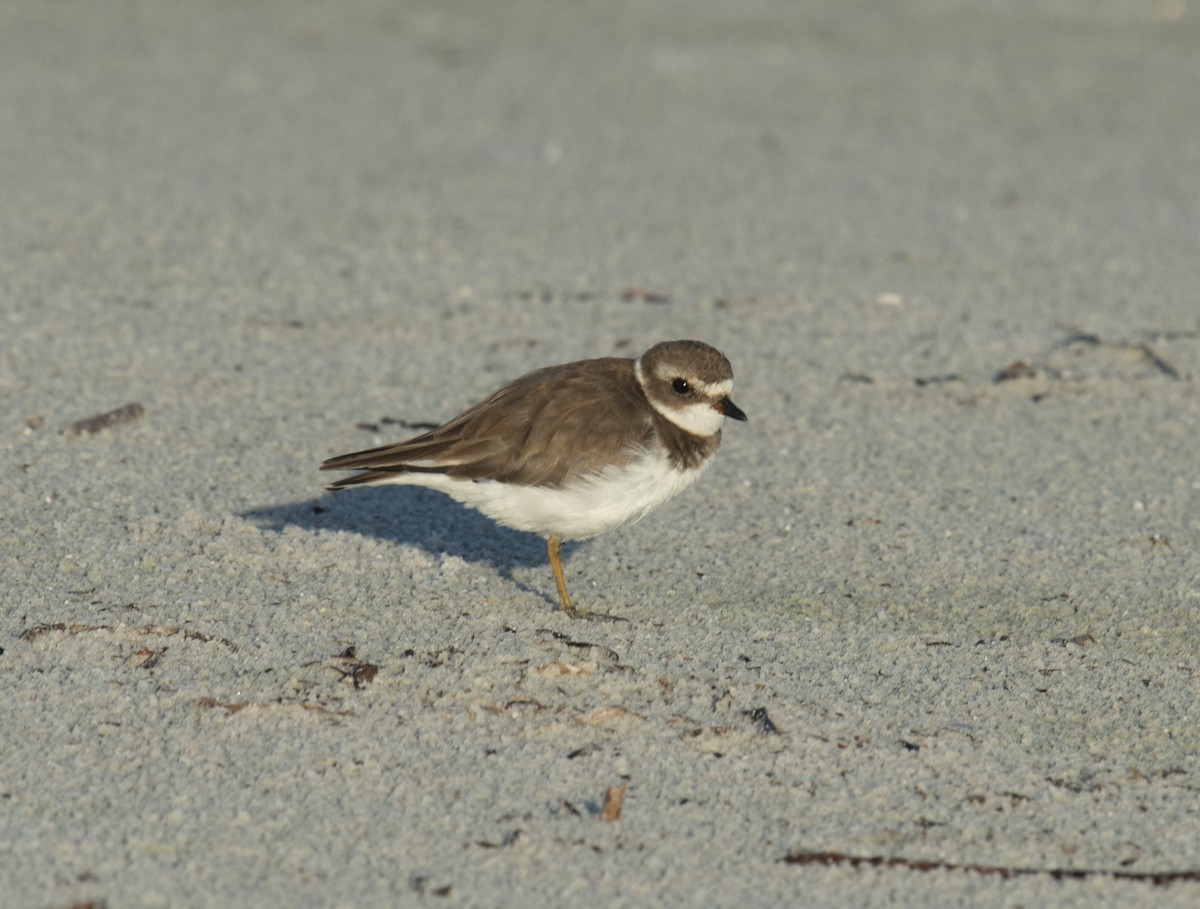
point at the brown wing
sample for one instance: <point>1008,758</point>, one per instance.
<point>545,426</point>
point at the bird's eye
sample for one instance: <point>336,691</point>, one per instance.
<point>681,386</point>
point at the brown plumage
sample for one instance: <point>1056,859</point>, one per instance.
<point>571,451</point>
<point>517,434</point>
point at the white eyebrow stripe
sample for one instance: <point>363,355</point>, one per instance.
<point>717,390</point>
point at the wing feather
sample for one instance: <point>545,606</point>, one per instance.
<point>544,427</point>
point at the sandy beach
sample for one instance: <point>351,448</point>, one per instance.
<point>925,634</point>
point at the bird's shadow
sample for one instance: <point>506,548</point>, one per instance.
<point>412,516</point>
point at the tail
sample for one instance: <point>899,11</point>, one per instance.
<point>374,475</point>
<point>358,479</point>
<point>387,463</point>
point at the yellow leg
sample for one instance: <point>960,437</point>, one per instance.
<point>554,547</point>
<point>554,550</point>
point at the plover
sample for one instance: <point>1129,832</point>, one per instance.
<point>571,451</point>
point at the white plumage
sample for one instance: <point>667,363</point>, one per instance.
<point>588,506</point>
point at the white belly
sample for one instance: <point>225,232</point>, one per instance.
<point>586,507</point>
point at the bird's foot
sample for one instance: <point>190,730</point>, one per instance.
<point>591,616</point>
